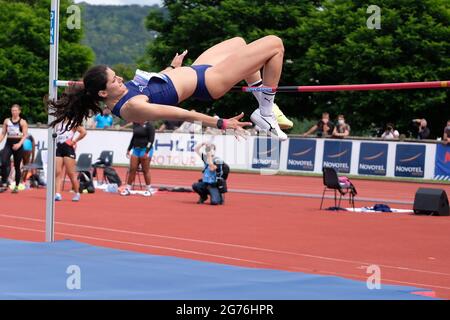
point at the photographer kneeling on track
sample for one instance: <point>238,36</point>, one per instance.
<point>215,174</point>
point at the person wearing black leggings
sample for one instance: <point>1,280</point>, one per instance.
<point>15,129</point>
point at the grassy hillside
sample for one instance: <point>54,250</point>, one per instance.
<point>117,34</point>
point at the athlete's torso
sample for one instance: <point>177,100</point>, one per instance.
<point>157,87</point>
<point>13,129</point>
<point>62,135</point>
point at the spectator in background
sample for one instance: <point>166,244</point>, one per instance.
<point>342,129</point>
<point>208,184</point>
<point>89,123</point>
<point>15,129</point>
<point>29,147</point>
<point>390,133</point>
<point>422,130</point>
<point>446,136</point>
<point>170,125</point>
<point>66,143</point>
<point>140,152</point>
<point>324,127</point>
<point>104,120</point>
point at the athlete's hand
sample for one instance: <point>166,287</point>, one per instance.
<point>71,143</point>
<point>238,126</point>
<point>178,59</point>
<point>16,146</point>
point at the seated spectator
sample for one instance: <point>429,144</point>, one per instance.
<point>252,131</point>
<point>390,133</point>
<point>169,125</point>
<point>208,184</point>
<point>423,132</point>
<point>104,120</point>
<point>89,122</point>
<point>324,127</point>
<point>342,129</point>
<point>446,136</point>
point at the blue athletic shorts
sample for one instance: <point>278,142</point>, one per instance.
<point>140,152</point>
<point>27,145</point>
<point>201,91</point>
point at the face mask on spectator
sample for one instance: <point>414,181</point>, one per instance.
<point>341,121</point>
<point>448,128</point>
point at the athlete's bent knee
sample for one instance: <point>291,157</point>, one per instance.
<point>276,42</point>
<point>239,40</point>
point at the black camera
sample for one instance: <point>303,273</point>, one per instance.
<point>222,185</point>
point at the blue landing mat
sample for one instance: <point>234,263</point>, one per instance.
<point>30,270</point>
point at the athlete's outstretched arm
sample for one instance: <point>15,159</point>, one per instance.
<point>139,111</point>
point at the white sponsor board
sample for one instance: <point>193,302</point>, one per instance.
<point>177,150</point>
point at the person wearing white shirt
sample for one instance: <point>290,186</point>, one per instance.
<point>390,133</point>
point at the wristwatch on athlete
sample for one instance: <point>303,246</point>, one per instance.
<point>220,123</point>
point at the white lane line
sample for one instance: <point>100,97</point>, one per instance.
<point>359,263</point>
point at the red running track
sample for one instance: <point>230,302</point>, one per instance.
<point>253,230</point>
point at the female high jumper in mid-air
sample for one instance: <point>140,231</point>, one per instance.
<point>154,96</point>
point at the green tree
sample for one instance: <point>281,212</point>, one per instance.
<point>117,34</point>
<point>24,52</point>
<point>126,71</point>
<point>411,45</point>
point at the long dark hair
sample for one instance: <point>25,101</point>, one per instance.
<point>80,102</point>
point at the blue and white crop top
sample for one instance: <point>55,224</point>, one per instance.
<point>156,86</point>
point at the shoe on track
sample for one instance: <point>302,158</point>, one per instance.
<point>76,197</point>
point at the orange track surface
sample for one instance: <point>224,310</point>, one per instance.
<point>254,230</point>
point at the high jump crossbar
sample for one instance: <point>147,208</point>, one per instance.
<point>321,88</point>
<point>350,87</point>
